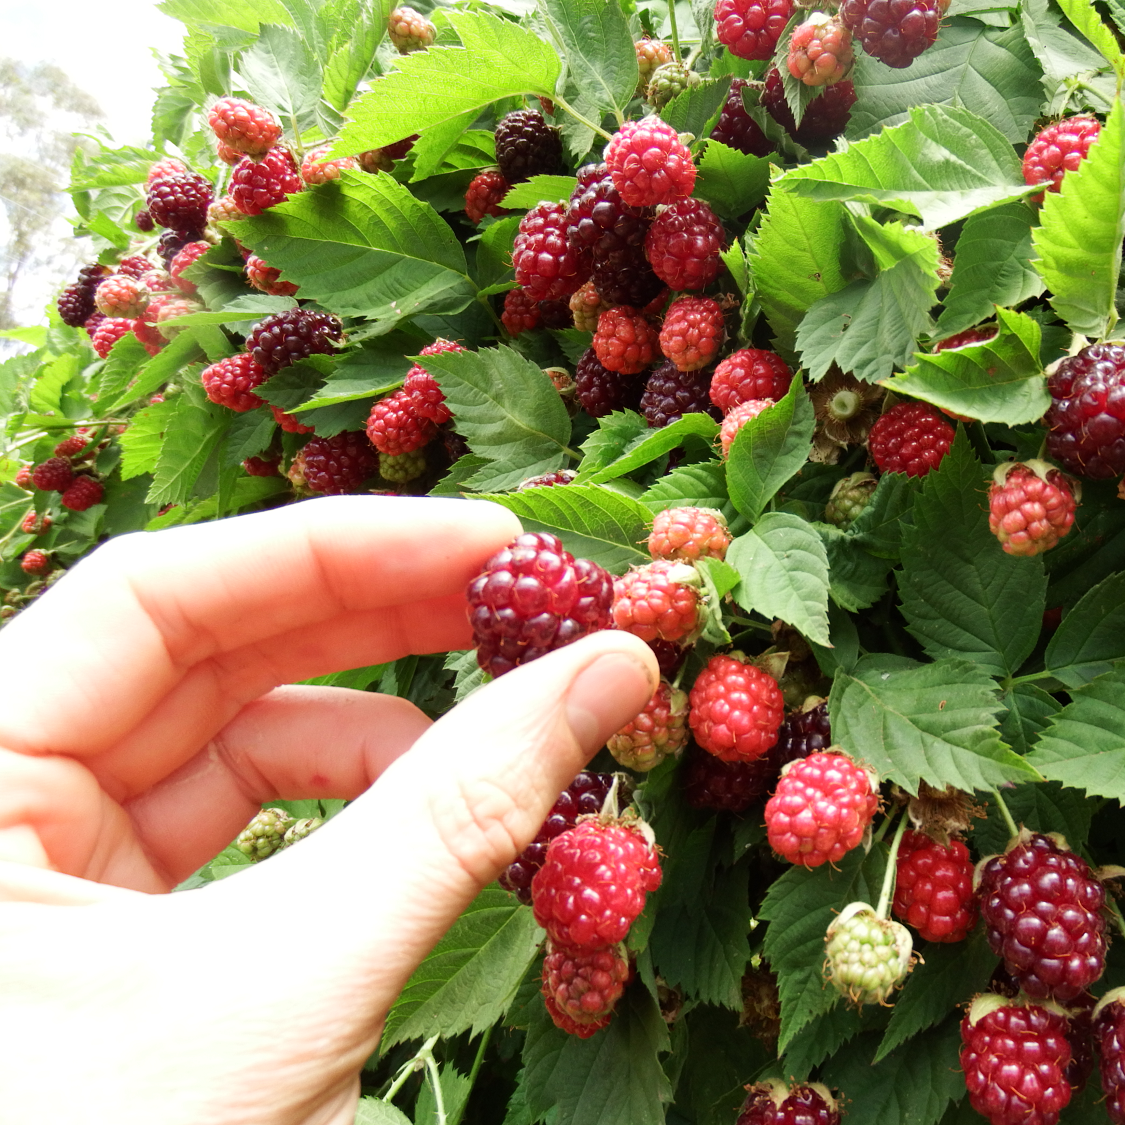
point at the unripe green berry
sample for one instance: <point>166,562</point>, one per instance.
<point>402,467</point>
<point>265,834</point>
<point>667,82</point>
<point>866,957</point>
<point>850,496</point>
<point>300,829</point>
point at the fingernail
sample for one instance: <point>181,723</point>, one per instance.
<point>606,695</point>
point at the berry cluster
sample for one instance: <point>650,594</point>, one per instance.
<point>69,472</point>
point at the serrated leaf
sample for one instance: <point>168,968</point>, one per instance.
<point>1091,636</point>
<point>352,51</point>
<point>455,1089</point>
<point>923,722</point>
<point>142,441</point>
<point>593,522</point>
<point>784,571</point>
<point>539,189</point>
<point>375,1111</point>
<point>125,359</point>
<point>614,434</point>
<point>470,977</point>
<point>249,434</point>
<point>878,528</point>
<point>364,246</point>
<point>1085,17</point>
<point>243,14</point>
<point>702,485</point>
<point>600,56</point>
<point>942,164</point>
<point>1061,54</point>
<point>1078,241</point>
<point>650,444</point>
<point>823,1036</point>
<point>1029,708</point>
<point>769,449</point>
<point>692,110</point>
<point>1041,807</point>
<point>732,182</point>
<point>283,73</point>
<point>193,432</point>
<point>856,579</point>
<point>498,59</point>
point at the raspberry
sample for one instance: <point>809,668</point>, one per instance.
<point>484,195</point>
<point>265,834</point>
<point>849,498</point>
<point>521,311</point>
<point>261,466</point>
<point>423,389</point>
<point>736,709</point>
<point>1080,1035</point>
<point>600,391</point>
<point>23,477</point>
<point>134,265</point>
<point>526,146</point>
<point>774,1103</point>
<point>223,211</point>
<point>189,255</point>
<point>1042,907</point>
<point>243,126</point>
<point>820,809</point>
<point>820,51</point>
<point>548,480</point>
<point>584,796</point>
<point>165,166</point>
<point>403,468</point>
<point>165,307</point>
<point>934,888</point>
<point>375,160</point>
<point>659,601</point>
<point>266,279</point>
<point>227,154</point>
<point>316,168</point>
<point>751,28</point>
<point>544,261</point>
<point>895,32</point>
<point>171,242</point>
<point>533,597</point>
<point>1109,1028</point>
<point>1058,149</point>
<point>671,393</point>
<point>692,333</point>
<point>179,201</point>
<point>585,984</point>
<point>1014,1057</point>
<point>142,220</point>
<point>658,731</point>
<point>669,81</point>
<point>866,957</point>
<point>826,116</point>
<point>92,323</point>
<point>736,128</point>
<point>710,783</point>
<point>108,332</point>
<point>84,493</point>
<point>803,733</point>
<point>34,523</point>
<point>289,422</point>
<point>258,185</point>
<point>288,337</point>
<point>649,163</point>
<point>625,341</point>
<point>70,446</point>
<point>651,53</point>
<point>1030,507</point>
<point>910,438</point>
<point>593,883</point>
<point>76,304</point>
<point>747,374</point>
<point>339,464</point>
<point>1086,419</point>
<point>410,31</point>
<point>979,335</point>
<point>231,382</point>
<point>120,296</point>
<point>738,417</point>
<point>53,475</point>
<point>628,280</point>
<point>35,562</point>
<point>683,245</point>
<point>689,533</point>
<point>600,223</point>
<point>395,427</point>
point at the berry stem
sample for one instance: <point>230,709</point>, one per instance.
<point>675,31</point>
<point>884,907</point>
<point>455,1118</point>
<point>410,1067</point>
<point>578,116</point>
<point>435,1081</point>
<point>1012,827</point>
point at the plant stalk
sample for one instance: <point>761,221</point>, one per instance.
<point>675,30</point>
<point>1013,828</point>
<point>579,117</point>
<point>884,907</point>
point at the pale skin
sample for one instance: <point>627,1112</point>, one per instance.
<point>142,724</point>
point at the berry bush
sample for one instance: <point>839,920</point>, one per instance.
<point>792,337</point>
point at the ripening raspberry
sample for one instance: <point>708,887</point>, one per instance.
<point>484,195</point>
<point>1030,507</point>
<point>243,126</point>
<point>266,279</point>
<point>188,256</point>
<point>866,957</point>
<point>934,888</point>
<point>395,426</point>
<point>749,373</point>
<point>53,475</point>
<point>410,31</point>
<point>736,709</point>
<point>35,562</point>
<point>651,53</point>
<point>585,985</point>
<point>257,185</point>
<point>1058,149</point>
<point>231,382</point>
<point>521,311</point>
<point>625,342</point>
<point>689,534</point>
<point>649,163</point>
<point>339,464</point>
<point>121,296</point>
<point>423,389</point>
<point>316,168</point>
<point>774,1103</point>
<point>820,51</point>
<point>693,332</point>
<point>84,493</point>
<point>657,732</point>
<point>737,417</point>
<point>751,28</point>
<point>660,601</point>
<point>910,438</point>
<point>545,263</point>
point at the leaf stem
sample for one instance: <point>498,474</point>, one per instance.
<point>455,1119</point>
<point>1012,827</point>
<point>410,1067</point>
<point>1030,678</point>
<point>675,30</point>
<point>883,909</point>
<point>435,1080</point>
<point>578,116</point>
<point>571,453</point>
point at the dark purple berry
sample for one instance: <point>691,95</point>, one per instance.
<point>283,339</point>
<point>527,146</point>
<point>671,393</point>
<point>600,391</point>
<point>1086,421</point>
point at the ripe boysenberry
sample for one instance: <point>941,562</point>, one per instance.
<point>736,709</point>
<point>934,888</point>
<point>545,262</point>
<point>820,51</point>
<point>751,28</point>
<point>585,985</point>
<point>774,1103</point>
<point>423,389</point>
<point>625,341</point>
<point>188,256</point>
<point>339,464</point>
<point>601,224</point>
<point>692,333</point>
<point>394,425</point>
<point>317,169</point>
<point>749,373</point>
<point>658,731</point>
<point>179,200</point>
<point>736,128</point>
<point>671,393</point>
<point>689,534</point>
<point>649,163</point>
<point>108,332</point>
<point>683,245</point>
<point>600,391</point>
<point>895,32</point>
<point>1058,149</point>
<point>803,733</point>
<point>910,438</point>
<point>710,783</point>
<point>53,475</point>
<point>1086,419</point>
<point>84,493</point>
<point>866,957</point>
<point>659,601</point>
<point>825,118</point>
<point>258,185</point>
<point>521,311</point>
<point>243,126</point>
<point>738,417</point>
<point>287,337</point>
<point>527,146</point>
<point>1030,507</point>
<point>533,597</point>
<point>1109,1030</point>
<point>231,382</point>
<point>142,220</point>
<point>484,194</point>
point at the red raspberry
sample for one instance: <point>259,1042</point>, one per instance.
<point>826,116</point>
<point>750,373</point>
<point>584,796</point>
<point>287,337</point>
<point>484,195</point>
<point>660,601</point>
<point>35,562</point>
<point>693,332</point>
<point>266,279</point>
<point>409,30</point>
<point>600,391</point>
<point>223,211</point>
<point>689,534</point>
<point>23,477</point>
<point>738,417</point>
<point>651,53</point>
<point>895,32</point>
<point>339,464</point>
<point>751,28</point>
<point>108,332</point>
<point>564,1023</point>
<point>1086,419</point>
<point>189,255</point>
<point>289,422</point>
<point>979,335</point>
<point>179,201</point>
<point>395,426</point>
<point>261,466</point>
<point>1058,149</point>
<point>934,888</point>
<point>658,731</point>
<point>149,335</point>
<point>736,128</point>
<point>533,597</point>
<point>736,709</point>
<point>258,185</point>
<point>134,265</point>
<point>1109,1028</point>
<point>316,168</point>
<point>710,783</point>
<point>820,809</point>
<point>1014,1058</point>
<point>243,126</point>
<point>227,154</point>
<point>671,393</point>
<point>910,438</point>
<point>231,382</point>
<point>649,163</point>
<point>165,166</point>
<point>120,296</point>
<point>53,475</point>
<point>35,524</point>
<point>165,307</point>
<point>544,261</point>
<point>1043,906</point>
<point>70,446</point>
<point>1081,1037</point>
<point>142,220</point>
<point>803,733</point>
<point>683,245</point>
<point>820,51</point>
<point>84,493</point>
<point>593,883</point>
<point>527,146</point>
<point>774,1103</point>
<point>1030,507</point>
<point>521,311</point>
<point>586,306</point>
<point>548,480</point>
<point>585,984</point>
<point>625,341</point>
<point>423,389</point>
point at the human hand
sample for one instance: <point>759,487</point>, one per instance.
<point>142,728</point>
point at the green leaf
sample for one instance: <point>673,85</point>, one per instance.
<point>243,14</point>
<point>856,579</point>
<point>375,1111</point>
<point>282,72</point>
<point>823,1036</point>
<point>878,528</point>
<point>962,595</point>
<point>784,570</point>
<point>731,181</point>
<point>942,164</point>
<point>600,56</point>
<point>1078,241</point>
<point>1085,18</point>
<point>769,449</point>
<point>125,359</point>
<point>364,246</point>
<point>692,110</point>
<point>193,432</point>
<point>991,267</point>
<point>1091,636</point>
<point>540,189</point>
<point>455,1089</point>
<point>1041,807</point>
<point>923,722</point>
<point>720,1056</point>
<point>701,486</point>
<point>52,377</point>
<point>1084,745</point>
<point>494,251</point>
<point>142,441</point>
<point>614,434</point>
<point>352,51</point>
<point>650,444</point>
<point>498,59</point>
<point>470,977</point>
<point>1029,708</point>
<point>593,522</point>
